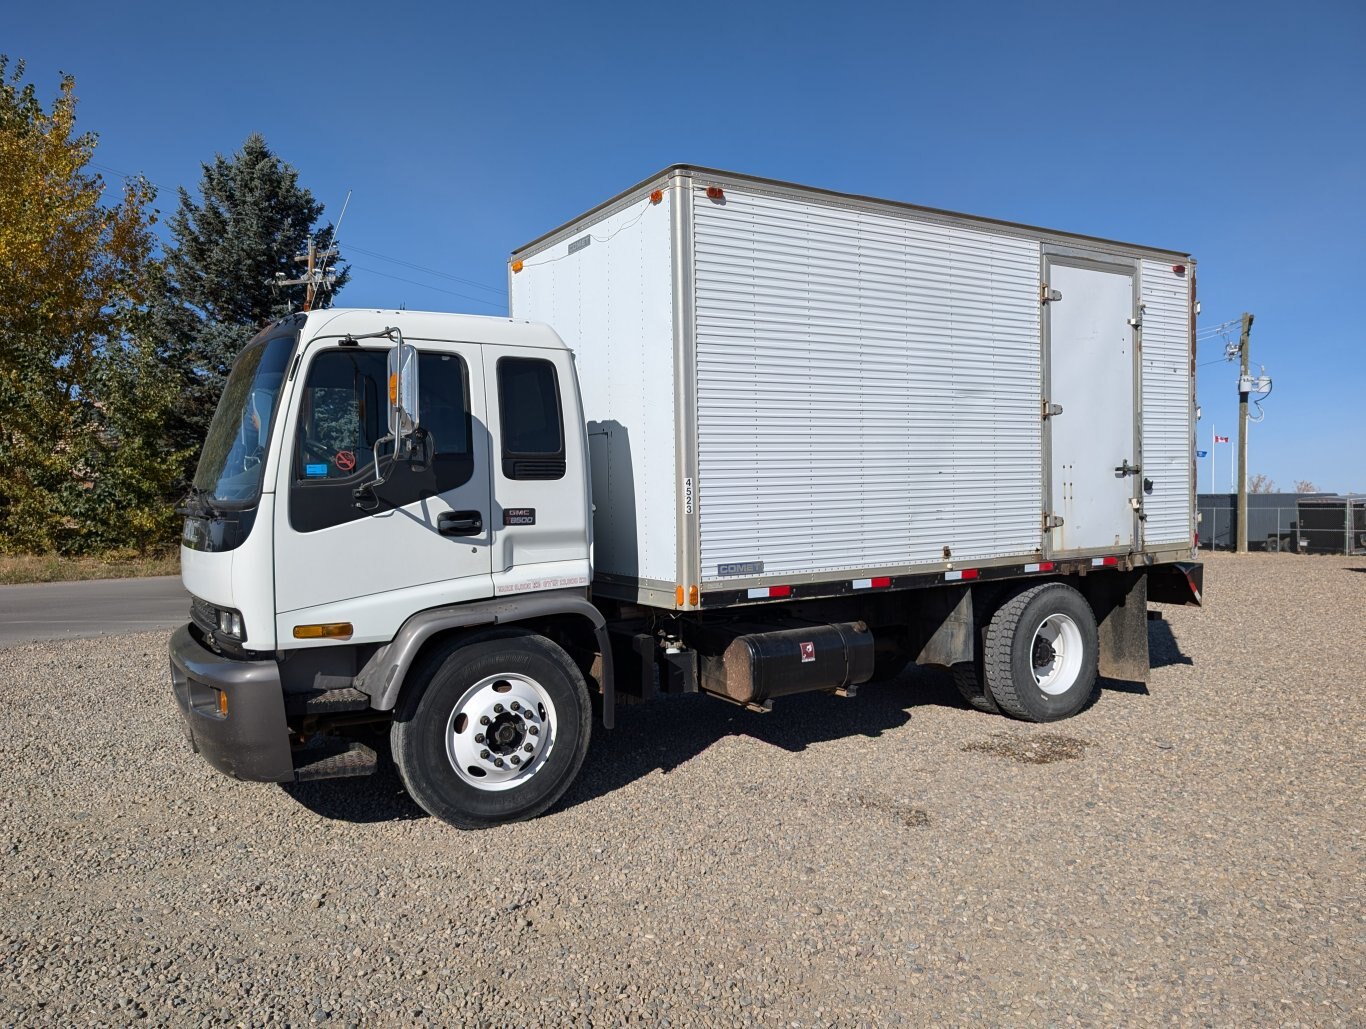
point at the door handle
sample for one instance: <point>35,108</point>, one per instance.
<point>460,523</point>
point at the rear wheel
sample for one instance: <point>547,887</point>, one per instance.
<point>493,731</point>
<point>1039,654</point>
<point>968,678</point>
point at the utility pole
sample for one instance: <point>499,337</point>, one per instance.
<point>1244,385</point>
<point>313,277</point>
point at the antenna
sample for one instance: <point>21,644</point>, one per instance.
<point>336,235</point>
<point>317,276</point>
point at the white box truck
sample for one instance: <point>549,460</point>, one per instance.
<point>739,437</point>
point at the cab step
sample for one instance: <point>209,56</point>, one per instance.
<point>334,759</point>
<point>326,702</point>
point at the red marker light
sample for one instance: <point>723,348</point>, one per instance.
<point>656,196</point>
<point>1180,269</point>
<point>715,193</point>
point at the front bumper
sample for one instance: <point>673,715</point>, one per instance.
<point>252,740</point>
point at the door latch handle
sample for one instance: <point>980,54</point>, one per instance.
<point>460,523</point>
<point>1127,469</point>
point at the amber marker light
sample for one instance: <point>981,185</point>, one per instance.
<point>692,595</point>
<point>222,704</point>
<point>656,196</point>
<point>517,266</point>
<point>328,631</point>
<point>679,597</point>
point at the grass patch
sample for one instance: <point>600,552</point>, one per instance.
<point>17,568</point>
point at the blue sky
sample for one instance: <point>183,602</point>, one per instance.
<point>1234,130</point>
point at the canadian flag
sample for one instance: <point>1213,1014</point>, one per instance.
<point>1220,439</point>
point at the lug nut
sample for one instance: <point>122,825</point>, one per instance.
<point>479,738</point>
<point>515,759</point>
<point>498,762</point>
<point>533,730</point>
<point>528,748</point>
<point>483,719</point>
<point>498,709</point>
<point>513,705</point>
<point>484,754</point>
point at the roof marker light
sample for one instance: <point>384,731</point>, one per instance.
<point>517,266</point>
<point>715,193</point>
<point>656,196</point>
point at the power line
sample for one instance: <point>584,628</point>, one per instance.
<point>430,271</point>
<point>424,285</point>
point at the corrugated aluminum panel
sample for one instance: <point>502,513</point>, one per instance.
<point>868,388</point>
<point>607,290</point>
<point>1167,430</point>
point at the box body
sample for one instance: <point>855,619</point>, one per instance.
<point>789,386</point>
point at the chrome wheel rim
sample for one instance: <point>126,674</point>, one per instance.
<point>1055,654</point>
<point>500,732</point>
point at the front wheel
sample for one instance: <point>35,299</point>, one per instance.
<point>1039,654</point>
<point>493,731</point>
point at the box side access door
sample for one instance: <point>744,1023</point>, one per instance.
<point>1091,335</point>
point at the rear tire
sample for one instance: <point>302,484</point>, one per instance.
<point>1039,655</point>
<point>968,678</point>
<point>527,754</point>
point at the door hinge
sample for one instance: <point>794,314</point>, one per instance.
<point>1051,521</point>
<point>1047,295</point>
<point>1127,469</point>
<point>1050,410</point>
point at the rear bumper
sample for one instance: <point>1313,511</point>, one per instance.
<point>1179,583</point>
<point>252,740</point>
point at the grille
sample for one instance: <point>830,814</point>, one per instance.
<point>203,614</point>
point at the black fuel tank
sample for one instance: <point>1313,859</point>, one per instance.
<point>759,666</point>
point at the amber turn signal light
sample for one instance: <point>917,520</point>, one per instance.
<point>328,631</point>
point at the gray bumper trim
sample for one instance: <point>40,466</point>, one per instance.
<point>252,741</point>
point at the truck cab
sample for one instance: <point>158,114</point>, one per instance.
<point>350,510</point>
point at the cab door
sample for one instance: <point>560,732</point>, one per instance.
<point>418,540</point>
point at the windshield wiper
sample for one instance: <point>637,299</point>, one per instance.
<point>203,498</point>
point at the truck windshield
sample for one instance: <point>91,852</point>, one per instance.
<point>233,460</point>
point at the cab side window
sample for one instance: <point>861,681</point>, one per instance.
<point>531,415</point>
<point>342,415</point>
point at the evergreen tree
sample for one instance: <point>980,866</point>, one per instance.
<point>233,246</point>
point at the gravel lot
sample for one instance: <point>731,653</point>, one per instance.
<point>1191,853</point>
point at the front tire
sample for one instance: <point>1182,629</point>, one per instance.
<point>493,731</point>
<point>1039,654</point>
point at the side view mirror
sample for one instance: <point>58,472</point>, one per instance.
<point>403,394</point>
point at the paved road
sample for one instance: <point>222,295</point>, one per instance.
<point>78,610</point>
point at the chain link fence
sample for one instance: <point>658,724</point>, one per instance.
<point>1330,525</point>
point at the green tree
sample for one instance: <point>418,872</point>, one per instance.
<point>73,273</point>
<point>230,249</point>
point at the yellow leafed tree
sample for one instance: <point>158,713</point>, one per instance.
<point>72,275</point>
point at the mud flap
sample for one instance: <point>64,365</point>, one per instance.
<point>1121,606</point>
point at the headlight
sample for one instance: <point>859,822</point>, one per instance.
<point>230,624</point>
